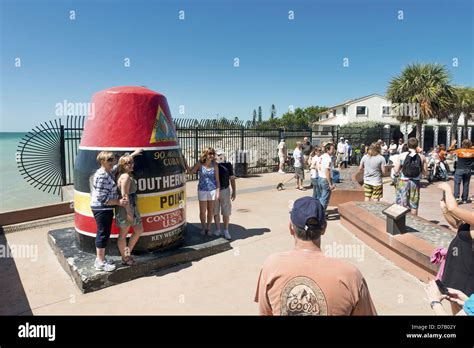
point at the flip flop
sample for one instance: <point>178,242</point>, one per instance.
<point>128,261</point>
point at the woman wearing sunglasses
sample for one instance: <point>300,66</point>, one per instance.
<point>103,201</point>
<point>208,187</point>
<point>127,216</point>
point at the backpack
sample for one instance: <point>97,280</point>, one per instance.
<point>412,166</point>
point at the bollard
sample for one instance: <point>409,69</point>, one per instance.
<point>127,118</point>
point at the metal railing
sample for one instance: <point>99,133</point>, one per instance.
<point>46,155</point>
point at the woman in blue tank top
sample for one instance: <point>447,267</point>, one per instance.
<point>208,187</point>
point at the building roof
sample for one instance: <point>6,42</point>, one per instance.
<point>332,121</point>
<point>351,101</point>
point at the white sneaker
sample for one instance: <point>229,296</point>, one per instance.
<point>281,171</point>
<point>217,233</point>
<point>109,261</point>
<point>103,266</point>
<point>227,235</point>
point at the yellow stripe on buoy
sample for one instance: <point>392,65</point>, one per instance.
<point>147,203</point>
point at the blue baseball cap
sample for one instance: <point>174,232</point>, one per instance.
<point>305,208</point>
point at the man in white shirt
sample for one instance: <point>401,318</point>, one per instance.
<point>341,151</point>
<point>325,168</point>
<point>299,166</point>
<point>282,155</point>
<point>393,148</point>
<point>400,145</point>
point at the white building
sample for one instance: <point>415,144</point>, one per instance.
<point>373,107</point>
<point>377,108</point>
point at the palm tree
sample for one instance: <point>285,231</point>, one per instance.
<point>464,104</point>
<point>426,85</point>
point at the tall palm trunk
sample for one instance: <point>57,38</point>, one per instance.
<point>466,119</point>
<point>419,125</point>
<point>454,128</point>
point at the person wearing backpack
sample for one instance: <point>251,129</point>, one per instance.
<point>411,166</point>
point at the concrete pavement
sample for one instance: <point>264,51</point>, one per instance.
<point>220,284</point>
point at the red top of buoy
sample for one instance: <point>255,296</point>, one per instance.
<point>128,117</point>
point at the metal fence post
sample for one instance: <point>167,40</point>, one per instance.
<point>196,145</point>
<point>62,153</point>
<point>242,130</point>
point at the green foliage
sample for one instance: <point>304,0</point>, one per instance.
<point>259,114</point>
<point>272,112</point>
<point>301,118</point>
<point>464,102</point>
<point>361,125</point>
<point>425,84</point>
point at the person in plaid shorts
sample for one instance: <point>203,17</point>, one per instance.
<point>373,165</point>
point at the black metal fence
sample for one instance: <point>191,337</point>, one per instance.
<point>258,145</point>
<point>47,154</point>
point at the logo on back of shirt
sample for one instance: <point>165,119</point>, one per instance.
<point>302,296</point>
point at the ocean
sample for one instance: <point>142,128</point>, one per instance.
<point>15,191</point>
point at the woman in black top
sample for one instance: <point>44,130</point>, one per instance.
<point>459,267</point>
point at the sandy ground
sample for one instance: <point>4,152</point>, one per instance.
<point>220,284</point>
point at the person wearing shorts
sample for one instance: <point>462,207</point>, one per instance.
<point>223,205</point>
<point>282,156</point>
<point>208,187</point>
<point>408,193</point>
<point>341,152</point>
<point>299,166</point>
<point>408,189</point>
<point>373,164</point>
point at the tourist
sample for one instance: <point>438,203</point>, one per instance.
<point>384,151</point>
<point>411,166</point>
<point>349,154</point>
<point>304,281</point>
<point>373,165</point>
<point>393,159</point>
<point>442,157</point>
<point>129,216</point>
<point>325,168</point>
<point>400,145</point>
<point>104,198</point>
<point>362,152</point>
<point>464,304</point>
<point>299,166</point>
<point>223,204</point>
<point>208,187</point>
<point>282,155</point>
<point>306,147</point>
<point>341,151</point>
<point>463,168</point>
<point>314,161</point>
<point>392,149</point>
<point>459,266</point>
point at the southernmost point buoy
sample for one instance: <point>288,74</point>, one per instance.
<point>124,119</point>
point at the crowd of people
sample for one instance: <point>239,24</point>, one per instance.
<point>288,284</point>
<point>114,193</point>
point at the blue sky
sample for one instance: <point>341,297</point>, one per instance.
<point>286,62</point>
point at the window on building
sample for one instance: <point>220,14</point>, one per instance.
<point>344,110</point>
<point>385,110</point>
<point>361,111</point>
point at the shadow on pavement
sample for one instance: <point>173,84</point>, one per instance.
<point>13,300</point>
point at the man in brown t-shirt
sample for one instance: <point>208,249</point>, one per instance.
<point>305,282</point>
